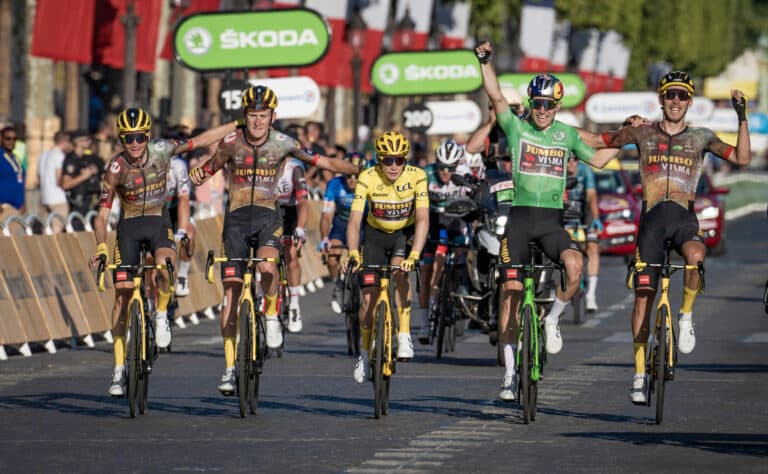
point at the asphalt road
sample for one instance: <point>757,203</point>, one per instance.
<point>56,415</point>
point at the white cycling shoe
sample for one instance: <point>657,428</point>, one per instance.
<point>404,346</point>
<point>274,333</point>
<point>554,339</point>
<point>294,320</point>
<point>361,368</point>
<point>508,388</point>
<point>637,392</point>
<point>162,330</point>
<point>227,384</point>
<point>119,381</point>
<point>686,341</point>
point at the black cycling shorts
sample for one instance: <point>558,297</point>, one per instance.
<point>290,219</point>
<point>246,223</point>
<point>455,228</point>
<point>155,231</point>
<point>380,247</point>
<point>667,220</point>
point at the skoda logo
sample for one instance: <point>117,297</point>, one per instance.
<point>197,40</point>
<point>389,73</point>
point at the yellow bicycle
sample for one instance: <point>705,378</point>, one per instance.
<point>662,349</point>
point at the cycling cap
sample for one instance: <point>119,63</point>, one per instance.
<point>133,120</point>
<point>259,98</point>
<point>546,85</point>
<point>392,144</point>
<point>356,158</point>
<point>474,160</point>
<point>449,153</point>
<point>675,78</point>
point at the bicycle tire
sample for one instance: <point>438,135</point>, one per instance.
<point>351,308</point>
<point>244,348</point>
<point>134,359</point>
<point>525,363</point>
<point>579,306</point>
<point>378,356</point>
<point>661,363</point>
<point>144,383</point>
<point>539,346</point>
<point>392,361</point>
<point>255,372</point>
<point>442,313</point>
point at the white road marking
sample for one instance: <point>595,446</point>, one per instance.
<point>758,337</point>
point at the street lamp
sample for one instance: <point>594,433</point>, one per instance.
<point>356,30</point>
<point>404,33</point>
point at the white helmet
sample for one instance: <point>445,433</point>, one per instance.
<point>449,153</point>
<point>474,160</point>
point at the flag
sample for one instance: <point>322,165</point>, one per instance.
<point>537,31</point>
<point>63,31</point>
<point>178,14</point>
<point>558,60</point>
<point>334,68</point>
<point>109,36</point>
<point>453,21</point>
<point>420,12</point>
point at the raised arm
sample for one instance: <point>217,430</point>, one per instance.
<point>743,155</point>
<point>476,142</point>
<point>490,81</point>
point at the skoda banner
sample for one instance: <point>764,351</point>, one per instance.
<point>426,72</point>
<point>262,39</point>
<point>574,86</point>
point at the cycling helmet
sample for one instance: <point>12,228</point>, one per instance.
<point>392,144</point>
<point>259,98</point>
<point>133,120</point>
<point>675,78</point>
<point>449,153</point>
<point>474,160</point>
<point>356,158</point>
<point>546,85</point>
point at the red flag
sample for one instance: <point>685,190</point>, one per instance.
<point>537,28</point>
<point>179,13</point>
<point>109,40</point>
<point>63,30</point>
<point>453,20</point>
<point>333,70</point>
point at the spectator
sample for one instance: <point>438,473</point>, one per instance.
<point>20,150</point>
<point>12,176</point>
<point>104,140</point>
<point>50,170</point>
<point>82,175</point>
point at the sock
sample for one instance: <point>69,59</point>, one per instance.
<point>184,268</point>
<point>639,357</point>
<point>405,319</point>
<point>365,335</point>
<point>294,297</point>
<point>684,316</point>
<point>592,285</point>
<point>163,297</point>
<point>689,296</point>
<point>509,359</point>
<point>557,309</point>
<point>270,306</point>
<point>118,345</point>
<point>229,351</point>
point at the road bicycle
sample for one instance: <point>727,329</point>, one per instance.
<point>141,348</point>
<point>447,305</point>
<point>662,348</point>
<point>252,349</point>
<point>350,305</point>
<point>531,355</point>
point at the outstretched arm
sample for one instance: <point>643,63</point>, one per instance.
<point>490,81</point>
<point>743,154</point>
<point>205,139</point>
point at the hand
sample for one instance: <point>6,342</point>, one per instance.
<point>596,225</point>
<point>299,237</point>
<point>409,264</point>
<point>198,175</point>
<point>101,250</point>
<point>324,245</point>
<point>635,121</point>
<point>180,234</point>
<point>739,101</point>
<point>353,261</point>
<point>483,52</point>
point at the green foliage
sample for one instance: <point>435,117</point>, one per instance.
<point>491,17</point>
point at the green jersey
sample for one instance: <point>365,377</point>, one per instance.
<point>539,159</point>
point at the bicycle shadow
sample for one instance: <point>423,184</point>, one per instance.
<point>412,405</point>
<point>737,444</point>
<point>715,368</point>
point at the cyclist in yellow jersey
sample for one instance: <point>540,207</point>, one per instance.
<point>398,207</point>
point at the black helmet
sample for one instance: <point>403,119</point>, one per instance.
<point>133,120</point>
<point>675,78</point>
<point>259,98</point>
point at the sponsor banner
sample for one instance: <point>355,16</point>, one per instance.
<point>575,89</point>
<point>297,97</point>
<point>428,72</point>
<point>614,107</point>
<point>455,116</point>
<point>259,39</point>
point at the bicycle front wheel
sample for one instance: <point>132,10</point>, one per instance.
<point>378,361</point>
<point>244,350</point>
<point>443,313</point>
<point>134,359</point>
<point>351,308</point>
<point>662,361</point>
<point>525,363</point>
<point>148,343</point>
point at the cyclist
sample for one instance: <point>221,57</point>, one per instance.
<point>253,156</point>
<point>671,156</point>
<point>333,222</point>
<point>292,198</point>
<point>396,194</point>
<point>137,176</point>
<point>476,165</point>
<point>441,189</point>
<point>581,207</point>
<point>180,210</point>
<point>539,147</point>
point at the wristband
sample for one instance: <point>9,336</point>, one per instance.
<point>102,249</point>
<point>190,145</point>
<point>414,255</point>
<point>483,57</point>
<point>239,122</point>
<point>315,159</point>
<point>208,168</point>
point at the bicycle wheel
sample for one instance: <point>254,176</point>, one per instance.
<point>662,361</point>
<point>244,348</point>
<point>351,308</point>
<point>378,361</point>
<point>539,346</point>
<point>579,303</point>
<point>144,380</point>
<point>392,361</point>
<point>134,359</point>
<point>525,363</point>
<point>443,312</point>
<point>260,338</point>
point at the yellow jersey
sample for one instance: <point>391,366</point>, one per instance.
<point>392,206</point>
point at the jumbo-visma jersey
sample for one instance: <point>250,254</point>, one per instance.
<point>392,206</point>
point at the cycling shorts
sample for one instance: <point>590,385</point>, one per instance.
<point>456,229</point>
<point>290,220</point>
<point>155,231</point>
<point>261,224</point>
<point>379,248</point>
<point>339,230</point>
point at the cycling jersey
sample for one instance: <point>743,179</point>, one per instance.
<point>670,165</point>
<point>338,198</point>
<point>292,186</point>
<point>178,183</point>
<point>539,159</point>
<point>575,204</point>
<point>441,193</point>
<point>392,205</point>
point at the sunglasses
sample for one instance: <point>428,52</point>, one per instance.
<point>539,103</point>
<point>681,94</point>
<point>351,176</point>
<point>9,138</point>
<point>391,160</point>
<point>446,168</point>
<point>129,138</point>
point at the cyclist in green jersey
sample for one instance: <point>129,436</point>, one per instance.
<point>539,148</point>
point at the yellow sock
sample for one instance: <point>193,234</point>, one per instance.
<point>689,296</point>
<point>229,351</point>
<point>271,306</point>
<point>365,335</point>
<point>119,350</point>
<point>162,300</point>
<point>639,357</point>
<point>405,319</point>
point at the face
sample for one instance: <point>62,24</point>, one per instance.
<point>543,111</point>
<point>444,172</point>
<point>258,122</point>
<point>573,166</point>
<point>9,140</point>
<point>82,143</point>
<point>675,102</point>
<point>351,180</point>
<point>135,144</point>
<point>392,166</point>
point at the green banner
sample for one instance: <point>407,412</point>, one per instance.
<point>262,39</point>
<point>426,72</point>
<point>575,90</point>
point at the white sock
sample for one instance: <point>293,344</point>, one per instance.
<point>557,309</point>
<point>509,359</point>
<point>684,317</point>
<point>294,297</point>
<point>184,268</point>
<point>161,314</point>
<point>592,285</point>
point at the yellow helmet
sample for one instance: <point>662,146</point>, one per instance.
<point>392,144</point>
<point>259,98</point>
<point>133,120</point>
<point>676,78</point>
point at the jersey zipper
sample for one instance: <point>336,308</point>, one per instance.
<point>669,167</point>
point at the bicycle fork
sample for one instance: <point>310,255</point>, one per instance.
<point>669,335</point>
<point>528,300</point>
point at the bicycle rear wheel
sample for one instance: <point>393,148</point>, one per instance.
<point>379,389</point>
<point>244,348</point>
<point>134,359</point>
<point>351,308</point>
<point>443,313</point>
<point>662,361</point>
<point>525,363</point>
<point>579,304</point>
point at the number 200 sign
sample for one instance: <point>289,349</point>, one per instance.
<point>417,118</point>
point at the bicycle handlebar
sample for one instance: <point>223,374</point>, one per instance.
<point>527,267</point>
<point>670,268</point>
<point>103,267</point>
<point>388,268</point>
<point>211,260</point>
